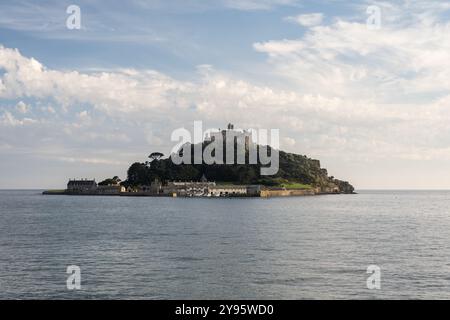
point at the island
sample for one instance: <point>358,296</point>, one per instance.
<point>297,175</point>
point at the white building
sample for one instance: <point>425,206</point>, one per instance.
<point>227,191</point>
<point>188,188</point>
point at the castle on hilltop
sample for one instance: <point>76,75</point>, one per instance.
<point>239,136</point>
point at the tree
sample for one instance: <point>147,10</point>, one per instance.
<point>110,181</point>
<point>293,169</point>
<point>156,156</point>
<point>138,174</point>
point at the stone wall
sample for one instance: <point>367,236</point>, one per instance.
<point>287,193</point>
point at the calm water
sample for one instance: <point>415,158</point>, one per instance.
<point>281,248</point>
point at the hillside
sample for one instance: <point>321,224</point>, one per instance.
<point>295,172</point>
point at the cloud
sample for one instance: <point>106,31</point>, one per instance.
<point>327,114</point>
<point>250,5</point>
<point>306,20</point>
<point>121,91</point>
<point>135,23</point>
<point>49,109</point>
<point>385,92</point>
<point>398,63</point>
<point>84,117</point>
<point>287,142</point>
<point>22,107</point>
<point>47,19</point>
<point>9,120</point>
<point>92,161</point>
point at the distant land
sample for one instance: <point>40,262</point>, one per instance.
<point>297,175</point>
<point>295,172</point>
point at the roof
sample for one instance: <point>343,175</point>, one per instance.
<point>229,186</point>
<point>82,182</point>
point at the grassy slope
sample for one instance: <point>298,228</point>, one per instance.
<point>294,185</point>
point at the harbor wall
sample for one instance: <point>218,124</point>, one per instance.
<point>287,193</point>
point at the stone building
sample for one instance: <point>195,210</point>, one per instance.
<point>254,190</point>
<point>156,187</point>
<point>110,190</point>
<point>240,137</point>
<point>83,185</point>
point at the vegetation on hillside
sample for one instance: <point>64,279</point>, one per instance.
<point>110,181</point>
<point>295,172</point>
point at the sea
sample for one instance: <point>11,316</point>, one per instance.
<point>371,245</point>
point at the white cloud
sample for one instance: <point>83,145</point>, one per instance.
<point>5,146</point>
<point>324,111</point>
<point>84,116</point>
<point>121,91</point>
<point>407,63</point>
<point>50,109</point>
<point>92,161</point>
<point>9,120</point>
<point>287,142</point>
<point>306,20</point>
<point>22,107</point>
<point>250,5</point>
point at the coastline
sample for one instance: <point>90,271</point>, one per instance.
<point>262,194</point>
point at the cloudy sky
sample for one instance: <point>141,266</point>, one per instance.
<point>373,104</point>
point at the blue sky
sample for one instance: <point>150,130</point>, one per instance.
<point>372,105</point>
<point>158,37</point>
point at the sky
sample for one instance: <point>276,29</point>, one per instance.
<point>366,94</point>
